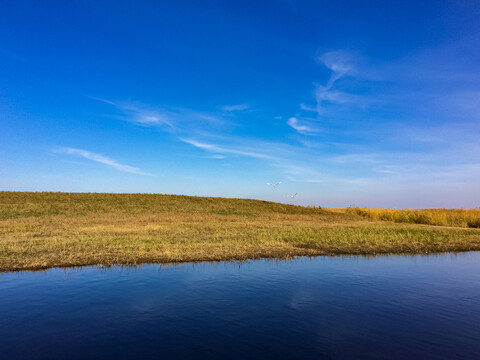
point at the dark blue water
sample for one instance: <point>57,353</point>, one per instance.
<point>389,307</point>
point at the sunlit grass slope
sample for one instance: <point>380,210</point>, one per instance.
<point>41,230</point>
<point>443,217</point>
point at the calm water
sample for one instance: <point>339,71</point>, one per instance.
<point>395,307</point>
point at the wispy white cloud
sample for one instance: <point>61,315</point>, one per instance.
<point>99,159</point>
<point>307,107</point>
<point>339,97</point>
<point>353,158</point>
<point>171,119</point>
<point>152,118</point>
<point>235,108</point>
<point>293,122</point>
<point>141,115</point>
<point>385,169</point>
<point>202,145</point>
<point>104,101</point>
<point>339,62</point>
<point>220,149</point>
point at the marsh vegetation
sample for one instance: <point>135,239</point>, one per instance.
<point>42,230</point>
<point>467,218</point>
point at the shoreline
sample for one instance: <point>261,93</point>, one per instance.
<point>232,260</point>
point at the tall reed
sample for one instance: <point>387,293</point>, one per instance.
<point>440,217</point>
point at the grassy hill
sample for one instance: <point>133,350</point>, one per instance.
<point>41,230</point>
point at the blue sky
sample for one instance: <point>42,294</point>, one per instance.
<point>369,103</point>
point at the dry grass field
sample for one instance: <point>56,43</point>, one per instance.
<point>42,230</point>
<point>467,218</point>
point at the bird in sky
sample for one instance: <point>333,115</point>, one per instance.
<point>293,195</point>
<point>274,185</point>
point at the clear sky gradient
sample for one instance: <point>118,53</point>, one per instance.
<point>369,103</point>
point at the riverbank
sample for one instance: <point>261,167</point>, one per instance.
<point>43,230</point>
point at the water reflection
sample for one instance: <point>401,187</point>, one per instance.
<point>325,307</point>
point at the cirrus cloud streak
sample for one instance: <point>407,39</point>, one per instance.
<point>99,159</point>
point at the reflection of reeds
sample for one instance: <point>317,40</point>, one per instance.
<point>439,217</point>
<point>41,230</point>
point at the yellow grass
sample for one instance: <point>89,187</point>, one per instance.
<point>41,230</point>
<point>441,217</point>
